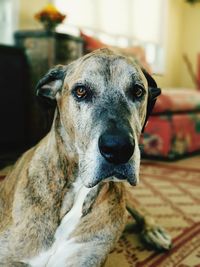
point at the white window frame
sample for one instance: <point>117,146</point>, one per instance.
<point>9,10</point>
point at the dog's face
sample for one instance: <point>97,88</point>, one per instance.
<point>103,101</point>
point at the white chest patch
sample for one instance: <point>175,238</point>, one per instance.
<point>63,246</point>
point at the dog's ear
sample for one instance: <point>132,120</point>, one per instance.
<point>153,93</point>
<point>51,84</point>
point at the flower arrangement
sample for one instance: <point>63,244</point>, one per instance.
<point>50,17</point>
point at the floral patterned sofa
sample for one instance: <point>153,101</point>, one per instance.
<point>173,130</point>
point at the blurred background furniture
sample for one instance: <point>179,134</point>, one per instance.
<point>23,120</point>
<point>14,92</point>
<point>173,130</point>
<point>44,50</point>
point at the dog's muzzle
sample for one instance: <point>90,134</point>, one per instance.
<point>116,148</point>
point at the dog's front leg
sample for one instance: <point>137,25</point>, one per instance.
<point>93,237</point>
<point>89,254</point>
<point>151,233</point>
<point>83,253</point>
<point>99,229</point>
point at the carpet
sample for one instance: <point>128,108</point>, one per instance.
<point>171,193</point>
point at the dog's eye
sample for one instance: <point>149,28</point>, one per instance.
<point>80,92</point>
<point>138,92</point>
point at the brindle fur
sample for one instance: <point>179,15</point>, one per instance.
<point>37,194</point>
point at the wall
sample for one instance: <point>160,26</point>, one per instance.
<point>28,8</point>
<point>183,37</point>
<point>190,41</point>
<point>171,76</point>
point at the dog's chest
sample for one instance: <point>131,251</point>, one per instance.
<point>64,246</point>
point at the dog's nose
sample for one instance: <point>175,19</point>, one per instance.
<point>116,147</point>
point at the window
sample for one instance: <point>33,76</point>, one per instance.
<point>8,20</point>
<point>121,23</point>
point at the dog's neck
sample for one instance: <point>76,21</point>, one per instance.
<point>64,138</point>
<point>67,157</point>
<point>59,168</point>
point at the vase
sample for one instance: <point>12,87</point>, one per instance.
<point>49,26</point>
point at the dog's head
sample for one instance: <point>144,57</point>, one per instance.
<point>103,100</point>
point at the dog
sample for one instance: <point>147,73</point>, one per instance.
<point>64,203</point>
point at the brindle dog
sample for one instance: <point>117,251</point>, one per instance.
<point>64,203</point>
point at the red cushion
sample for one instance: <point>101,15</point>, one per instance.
<point>177,100</point>
<point>172,136</point>
<point>91,43</point>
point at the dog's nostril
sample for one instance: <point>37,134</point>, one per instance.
<point>116,148</point>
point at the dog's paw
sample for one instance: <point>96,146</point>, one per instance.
<point>152,235</point>
<point>156,238</point>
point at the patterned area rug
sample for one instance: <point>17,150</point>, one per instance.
<point>171,193</point>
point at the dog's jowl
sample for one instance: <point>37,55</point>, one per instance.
<point>64,202</point>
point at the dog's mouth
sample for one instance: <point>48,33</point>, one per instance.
<point>117,173</point>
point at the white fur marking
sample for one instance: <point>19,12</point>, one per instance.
<point>63,247</point>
